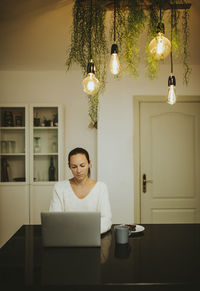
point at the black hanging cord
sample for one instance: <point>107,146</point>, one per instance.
<point>160,14</point>
<point>90,31</point>
<point>171,79</point>
<point>114,21</point>
<point>171,40</point>
<point>90,66</point>
<point>160,27</point>
<point>114,48</point>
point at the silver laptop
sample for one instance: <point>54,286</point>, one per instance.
<point>71,229</point>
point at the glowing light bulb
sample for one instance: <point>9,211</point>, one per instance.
<point>171,98</point>
<point>114,60</point>
<point>91,84</point>
<point>114,64</point>
<point>160,46</point>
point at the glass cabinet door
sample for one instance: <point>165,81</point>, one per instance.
<point>45,144</point>
<point>13,144</point>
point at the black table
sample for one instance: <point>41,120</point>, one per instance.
<point>163,257</point>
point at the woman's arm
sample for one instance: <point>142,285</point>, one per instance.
<point>105,210</point>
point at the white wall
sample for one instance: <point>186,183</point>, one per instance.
<point>116,135</point>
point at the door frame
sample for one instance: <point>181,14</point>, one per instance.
<point>137,100</point>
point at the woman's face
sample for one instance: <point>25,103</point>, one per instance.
<point>79,166</point>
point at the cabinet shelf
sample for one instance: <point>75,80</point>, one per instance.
<point>45,154</point>
<point>45,127</point>
<point>12,127</point>
<point>12,154</point>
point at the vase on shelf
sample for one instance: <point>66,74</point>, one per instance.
<point>51,170</point>
<point>36,144</point>
<point>4,170</point>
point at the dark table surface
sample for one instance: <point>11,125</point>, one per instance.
<point>163,256</point>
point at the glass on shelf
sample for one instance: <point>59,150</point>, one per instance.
<point>3,146</point>
<point>12,140</point>
<point>54,147</point>
<point>11,144</point>
<point>54,144</point>
<point>37,144</point>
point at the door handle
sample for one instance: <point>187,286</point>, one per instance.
<point>144,183</point>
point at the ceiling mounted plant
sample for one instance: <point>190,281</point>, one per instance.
<point>88,38</point>
<point>186,35</point>
<point>152,64</point>
<point>131,19</point>
<point>135,24</point>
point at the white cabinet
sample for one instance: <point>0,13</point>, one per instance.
<point>31,161</point>
<point>14,174</point>
<point>45,140</point>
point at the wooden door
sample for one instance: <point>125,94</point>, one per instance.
<point>170,159</point>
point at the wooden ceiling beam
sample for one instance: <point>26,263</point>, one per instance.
<point>124,4</point>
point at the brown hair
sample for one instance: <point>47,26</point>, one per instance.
<point>79,151</point>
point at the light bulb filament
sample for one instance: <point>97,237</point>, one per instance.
<point>160,46</point>
<point>114,64</point>
<point>171,95</point>
<point>91,84</point>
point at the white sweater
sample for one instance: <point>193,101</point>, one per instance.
<point>64,199</point>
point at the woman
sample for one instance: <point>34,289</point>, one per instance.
<point>81,193</point>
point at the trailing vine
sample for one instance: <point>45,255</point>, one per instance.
<point>186,33</point>
<point>135,25</point>
<point>152,65</point>
<point>83,34</point>
<point>176,40</point>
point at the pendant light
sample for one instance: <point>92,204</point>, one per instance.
<point>171,98</point>
<point>90,84</point>
<point>160,46</point>
<point>114,59</point>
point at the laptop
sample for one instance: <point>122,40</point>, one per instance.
<point>71,229</point>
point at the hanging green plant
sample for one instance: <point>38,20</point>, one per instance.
<point>93,110</point>
<point>133,17</point>
<point>84,33</point>
<point>186,34</point>
<point>152,65</point>
<point>129,25</point>
<point>176,40</point>
<point>135,25</point>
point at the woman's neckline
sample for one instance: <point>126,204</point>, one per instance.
<point>83,196</point>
